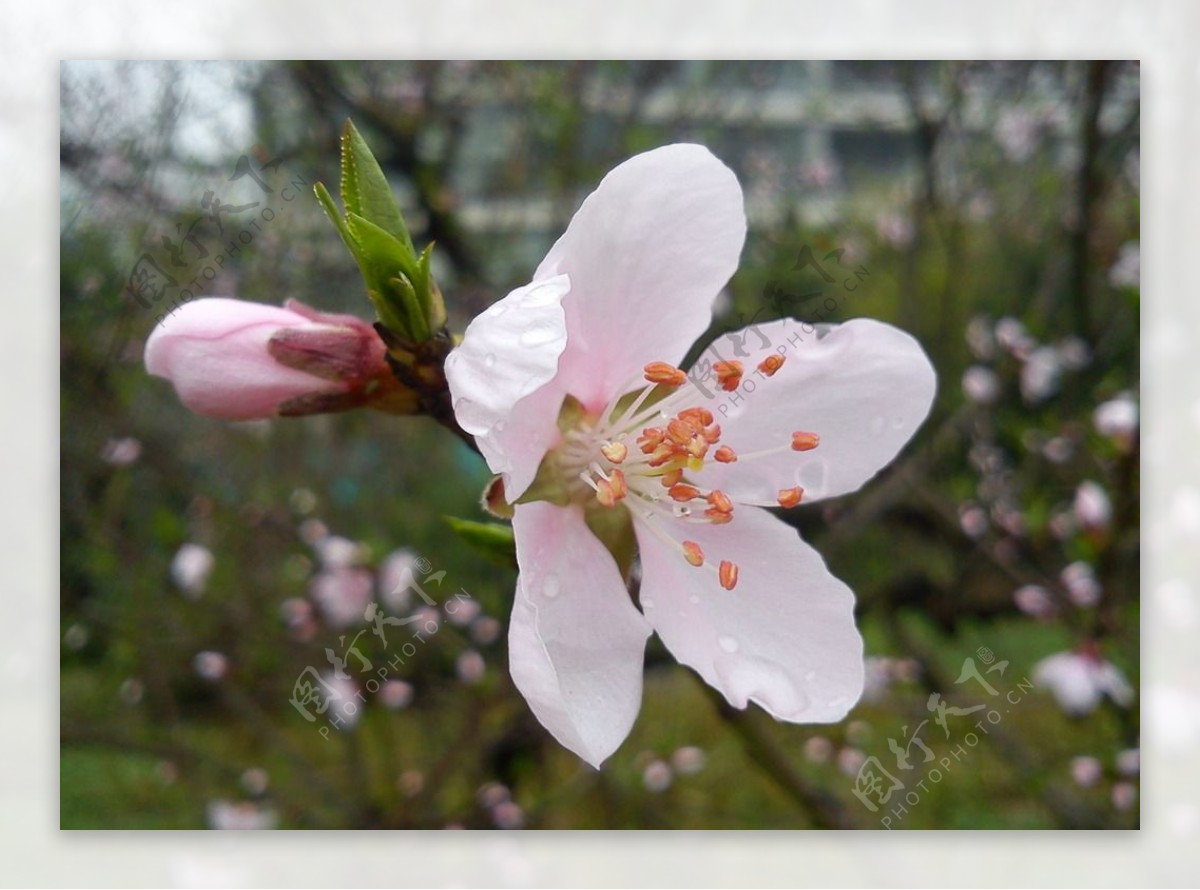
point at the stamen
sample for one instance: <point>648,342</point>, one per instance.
<point>805,441</point>
<point>605,493</point>
<point>790,497</point>
<point>692,553</point>
<point>719,501</point>
<point>620,487</point>
<point>702,416</point>
<point>671,478</point>
<point>728,573</point>
<point>650,439</point>
<point>771,364</point>
<point>683,493</point>
<point>729,374</point>
<point>615,451</point>
<point>725,455</point>
<point>667,375</point>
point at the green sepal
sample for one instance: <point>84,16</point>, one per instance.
<point>614,527</point>
<point>548,484</point>
<point>492,539</point>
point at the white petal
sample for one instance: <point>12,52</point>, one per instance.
<point>864,388</point>
<point>647,253</point>
<point>784,637</point>
<point>509,352</point>
<point>576,641</point>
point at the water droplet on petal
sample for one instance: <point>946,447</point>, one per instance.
<point>693,599</point>
<point>497,309</point>
<point>489,360</point>
<point>647,603</point>
<point>550,587</point>
<point>898,423</point>
<point>877,426</point>
<point>729,644</point>
<point>539,336</point>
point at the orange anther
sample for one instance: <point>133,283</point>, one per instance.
<point>805,441</point>
<point>615,451</point>
<point>650,439</point>
<point>671,478</point>
<point>692,553</point>
<point>728,574</point>
<point>720,501</point>
<point>717,517</point>
<point>712,434</point>
<point>667,375</point>
<point>681,492</point>
<point>771,364</point>
<point>662,454</point>
<point>725,455</point>
<point>605,494</point>
<point>729,374</point>
<point>619,487</point>
<point>702,416</point>
<point>790,497</point>
<point>680,431</point>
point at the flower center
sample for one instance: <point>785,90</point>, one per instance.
<point>641,449</point>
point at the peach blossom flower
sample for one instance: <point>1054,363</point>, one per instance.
<point>779,413</point>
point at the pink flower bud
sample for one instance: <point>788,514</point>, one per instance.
<point>235,360</point>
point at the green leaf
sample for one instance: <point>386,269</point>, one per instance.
<point>493,539</point>
<point>331,210</point>
<point>389,270</point>
<point>365,189</point>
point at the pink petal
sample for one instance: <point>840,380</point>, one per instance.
<point>864,388</point>
<point>576,641</point>
<point>647,253</point>
<point>784,637</point>
<point>498,379</point>
<point>214,351</point>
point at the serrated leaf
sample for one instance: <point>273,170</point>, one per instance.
<point>388,270</point>
<point>493,539</point>
<point>365,189</point>
<point>331,210</point>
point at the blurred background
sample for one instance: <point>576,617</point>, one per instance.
<point>991,209</point>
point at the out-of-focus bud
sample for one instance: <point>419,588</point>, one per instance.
<point>1086,771</point>
<point>1118,420</point>
<point>190,568</point>
<point>1093,509</point>
<point>235,360</point>
<point>981,385</point>
<point>343,596</point>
